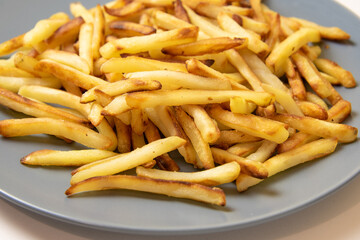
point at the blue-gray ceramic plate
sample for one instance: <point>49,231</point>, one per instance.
<point>42,189</point>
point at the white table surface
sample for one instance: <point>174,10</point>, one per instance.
<point>336,217</point>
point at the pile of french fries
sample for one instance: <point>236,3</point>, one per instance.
<point>133,80</point>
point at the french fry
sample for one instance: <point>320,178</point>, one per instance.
<point>312,110</point>
<point>126,10</point>
<point>117,106</point>
<point>289,159</point>
<point>295,81</point>
<point>179,11</point>
<point>225,173</point>
<point>249,167</point>
<point>202,148</point>
<point>70,74</point>
<point>120,87</point>
<point>130,160</point>
<point>123,133</point>
<point>172,80</point>
<point>42,31</point>
<point>57,127</point>
<point>333,69</point>
<point>69,59</point>
<point>164,162</point>
<point>277,58</point>
<point>339,112</point>
<point>250,124</point>
<point>37,109</point>
<point>154,41</point>
<point>332,33</point>
<point>98,37</point>
<point>296,140</point>
<point>139,64</point>
<point>78,10</point>
<point>12,71</point>
<point>11,45</point>
<point>312,97</point>
<point>130,29</point>
<point>48,157</point>
<point>138,121</point>
<point>205,46</point>
<point>85,44</point>
<point>244,149</point>
<point>258,11</point>
<point>206,125</point>
<point>170,188</point>
<point>15,83</point>
<point>230,137</point>
<point>27,63</point>
<point>343,133</point>
<point>240,105</point>
<point>266,149</point>
<point>172,97</point>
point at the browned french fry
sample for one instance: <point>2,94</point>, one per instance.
<point>183,96</point>
<point>70,74</point>
<point>296,140</point>
<point>179,11</point>
<point>230,137</point>
<point>345,77</point>
<point>129,160</point>
<point>205,46</point>
<point>222,174</point>
<point>78,10</point>
<point>295,81</point>
<point>130,29</point>
<point>123,133</point>
<point>202,148</point>
<point>250,124</point>
<point>11,45</point>
<point>27,64</point>
<point>342,132</point>
<point>15,83</point>
<point>313,110</point>
<point>249,167</point>
<point>138,121</point>
<point>57,127</point>
<point>193,191</point>
<point>290,159</point>
<point>332,33</point>
<point>244,149</point>
<point>128,9</point>
<point>339,112</point>
<point>37,109</point>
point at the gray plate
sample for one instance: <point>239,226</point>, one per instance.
<point>42,189</point>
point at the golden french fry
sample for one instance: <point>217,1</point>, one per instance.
<point>289,159</point>
<point>295,81</point>
<point>78,10</point>
<point>126,10</point>
<point>172,80</point>
<point>12,71</point>
<point>250,124</point>
<point>85,44</point>
<point>57,127</point>
<point>37,109</point>
<point>262,154</point>
<point>15,83</point>
<point>312,110</point>
<point>205,46</point>
<point>290,45</point>
<point>139,64</point>
<point>244,149</point>
<point>225,173</point>
<point>240,105</point>
<point>202,148</point>
<point>66,58</point>
<point>332,33</point>
<point>342,132</point>
<point>98,37</point>
<point>11,45</point>
<point>130,160</point>
<point>138,121</point>
<point>252,168</point>
<point>339,112</point>
<point>296,140</point>
<point>184,96</point>
<point>48,157</point>
<point>130,29</point>
<point>70,74</point>
<point>27,64</point>
<point>193,191</point>
<point>345,77</point>
<point>145,43</point>
<point>230,137</point>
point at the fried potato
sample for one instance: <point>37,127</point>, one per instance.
<point>11,45</point>
<point>290,45</point>
<point>289,159</point>
<point>126,10</point>
<point>342,132</point>
<point>154,41</point>
<point>225,173</point>
<point>205,46</point>
<point>48,157</point>
<point>184,96</point>
<point>230,137</point>
<point>345,77</point>
<point>57,127</point>
<point>250,124</point>
<point>130,160</point>
<point>170,188</point>
<point>15,83</point>
<point>130,29</point>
